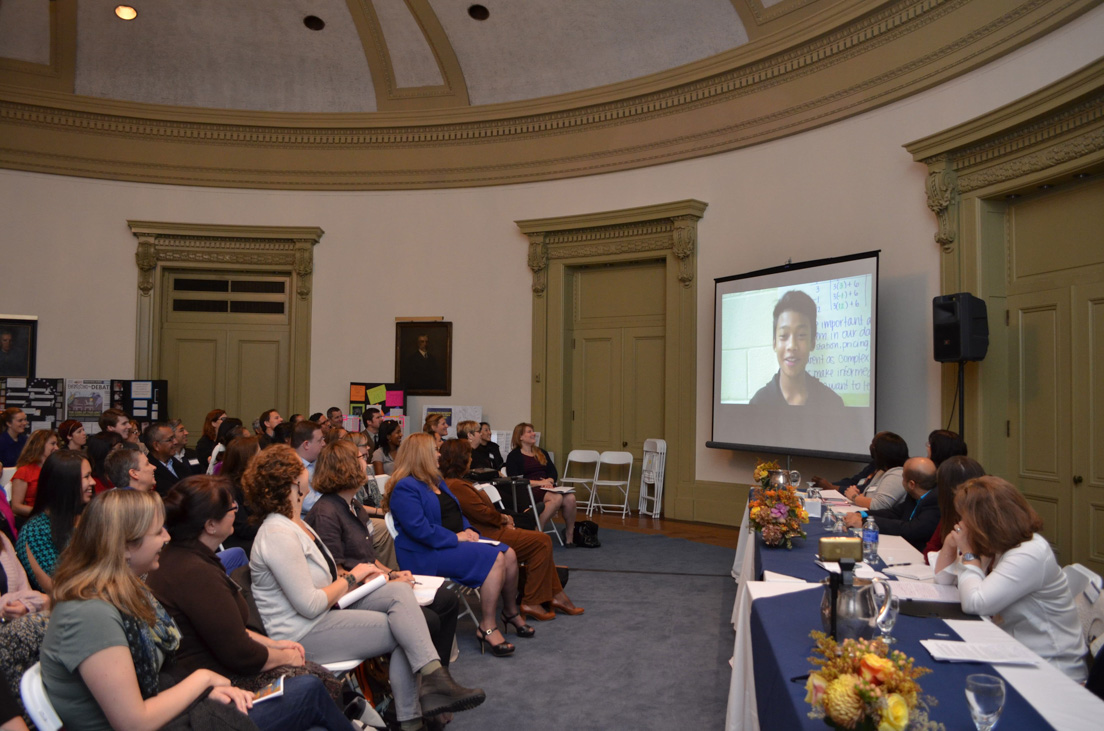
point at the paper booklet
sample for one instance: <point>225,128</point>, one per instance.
<point>994,653</point>
<point>362,591</point>
<point>275,689</point>
<point>923,591</point>
<point>560,489</point>
<point>426,588</point>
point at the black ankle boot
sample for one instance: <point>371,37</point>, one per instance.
<point>441,694</point>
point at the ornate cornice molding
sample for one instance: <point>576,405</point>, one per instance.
<point>666,227</point>
<point>846,65</point>
<point>265,246</point>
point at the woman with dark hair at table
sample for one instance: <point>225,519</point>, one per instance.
<point>530,461</point>
<point>542,583</point>
<point>209,438</point>
<point>99,446</point>
<point>206,604</point>
<point>435,539</point>
<point>953,472</point>
<point>24,483</point>
<point>64,488</point>
<point>235,460</point>
<point>944,444</point>
<point>1006,570</point>
<point>886,486</point>
<point>342,524</point>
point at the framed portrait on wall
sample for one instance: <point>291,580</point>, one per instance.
<point>18,343</point>
<point>423,357</point>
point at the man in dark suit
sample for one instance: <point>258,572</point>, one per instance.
<point>161,443</point>
<point>915,518</point>
<point>182,452</point>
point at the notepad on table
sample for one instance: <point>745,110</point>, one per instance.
<point>994,653</point>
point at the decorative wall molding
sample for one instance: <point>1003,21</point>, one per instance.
<point>666,227</point>
<point>847,59</point>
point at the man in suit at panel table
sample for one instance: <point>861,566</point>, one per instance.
<point>161,443</point>
<point>914,518</point>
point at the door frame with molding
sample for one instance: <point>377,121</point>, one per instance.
<point>668,232</point>
<point>166,246</point>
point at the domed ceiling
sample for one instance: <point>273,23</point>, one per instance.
<point>359,94</point>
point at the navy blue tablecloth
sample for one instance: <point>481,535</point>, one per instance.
<point>781,647</point>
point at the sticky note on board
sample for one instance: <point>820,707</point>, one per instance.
<point>356,393</point>
<point>375,395</point>
<point>394,398</point>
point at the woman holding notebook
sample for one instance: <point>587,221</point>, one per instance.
<point>530,461</point>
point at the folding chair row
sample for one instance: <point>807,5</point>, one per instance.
<point>613,461</point>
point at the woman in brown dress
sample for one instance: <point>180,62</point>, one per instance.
<point>542,583</point>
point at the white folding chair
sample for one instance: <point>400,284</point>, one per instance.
<point>492,493</point>
<point>35,700</point>
<point>1087,588</point>
<point>389,519</point>
<point>615,461</point>
<point>586,465</point>
<point>651,477</point>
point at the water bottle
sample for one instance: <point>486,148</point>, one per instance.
<point>870,540</point>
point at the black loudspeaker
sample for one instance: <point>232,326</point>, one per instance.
<point>961,327</point>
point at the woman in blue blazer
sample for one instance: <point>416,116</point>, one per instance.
<point>435,539</point>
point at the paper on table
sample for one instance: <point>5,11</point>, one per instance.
<point>560,489</point>
<point>774,576</point>
<point>862,570</point>
<point>994,653</point>
<point>924,591</point>
<point>916,572</point>
<point>489,541</point>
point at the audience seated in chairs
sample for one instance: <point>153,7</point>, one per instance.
<point>229,430</point>
<point>71,435</point>
<point>885,488</point>
<point>13,435</point>
<point>486,455</point>
<point>342,524</point>
<point>530,461</point>
<point>108,636</point>
<point>944,444</point>
<point>1006,570</point>
<point>234,462</point>
<point>296,582</point>
<point>129,469</point>
<point>161,443</point>
<point>437,426</point>
<point>542,583</point>
<point>64,488</point>
<point>917,515</point>
<point>24,483</point>
<point>435,539</point>
<point>206,605</point>
<point>953,472</point>
<point>189,457</point>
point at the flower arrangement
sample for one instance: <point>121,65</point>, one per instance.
<point>860,685</point>
<point>776,512</point>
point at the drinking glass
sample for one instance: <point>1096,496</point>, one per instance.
<point>887,621</point>
<point>985,694</point>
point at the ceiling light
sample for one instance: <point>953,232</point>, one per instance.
<point>125,12</point>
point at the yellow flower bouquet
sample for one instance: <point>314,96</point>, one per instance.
<point>859,684</point>
<point>776,512</point>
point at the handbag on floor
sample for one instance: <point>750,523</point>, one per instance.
<point>586,534</point>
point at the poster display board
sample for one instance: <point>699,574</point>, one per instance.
<point>145,401</point>
<point>41,399</point>
<point>389,398</point>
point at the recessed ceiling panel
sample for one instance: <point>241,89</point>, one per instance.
<point>25,30</point>
<point>245,54</point>
<point>411,57</point>
<point>533,48</point>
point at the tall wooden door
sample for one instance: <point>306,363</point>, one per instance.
<point>1088,418</point>
<point>618,359</point>
<point>225,343</point>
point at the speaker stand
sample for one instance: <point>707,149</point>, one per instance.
<point>962,399</point>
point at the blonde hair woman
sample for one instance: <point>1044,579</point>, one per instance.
<point>437,425</point>
<point>108,636</point>
<point>436,539</point>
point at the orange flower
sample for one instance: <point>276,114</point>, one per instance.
<point>876,669</point>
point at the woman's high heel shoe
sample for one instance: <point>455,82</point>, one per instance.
<point>523,631</point>
<point>502,649</point>
<point>568,608</point>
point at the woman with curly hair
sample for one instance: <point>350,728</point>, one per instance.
<point>24,484</point>
<point>296,581</point>
<point>108,636</point>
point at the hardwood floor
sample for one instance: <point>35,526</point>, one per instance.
<point>709,533</point>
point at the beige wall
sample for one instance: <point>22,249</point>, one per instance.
<point>69,257</point>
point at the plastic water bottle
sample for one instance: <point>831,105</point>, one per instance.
<point>870,540</point>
